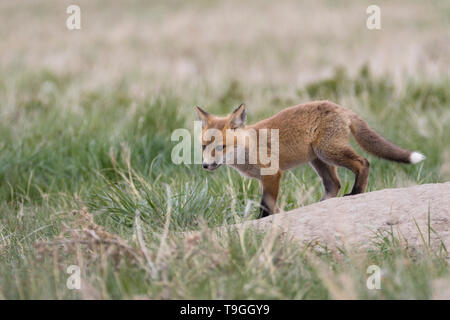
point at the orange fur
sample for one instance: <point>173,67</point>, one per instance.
<point>316,132</point>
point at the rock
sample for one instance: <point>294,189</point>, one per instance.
<point>356,220</point>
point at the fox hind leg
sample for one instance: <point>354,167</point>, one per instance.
<point>329,176</point>
<point>346,157</point>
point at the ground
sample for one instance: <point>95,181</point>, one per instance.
<point>418,216</point>
<point>86,176</point>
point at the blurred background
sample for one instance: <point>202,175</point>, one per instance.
<point>184,45</point>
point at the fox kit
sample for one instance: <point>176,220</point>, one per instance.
<point>316,132</point>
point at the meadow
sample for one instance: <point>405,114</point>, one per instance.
<point>86,176</point>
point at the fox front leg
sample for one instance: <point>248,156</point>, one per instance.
<point>270,186</point>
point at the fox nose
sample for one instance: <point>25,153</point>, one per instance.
<point>210,165</point>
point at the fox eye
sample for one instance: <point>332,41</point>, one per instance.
<point>203,147</point>
<point>220,148</point>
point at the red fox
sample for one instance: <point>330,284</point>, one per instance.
<point>316,132</point>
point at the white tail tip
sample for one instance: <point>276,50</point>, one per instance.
<point>416,157</point>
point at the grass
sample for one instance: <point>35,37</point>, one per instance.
<point>85,122</point>
<point>113,165</point>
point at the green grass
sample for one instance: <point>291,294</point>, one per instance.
<point>64,148</point>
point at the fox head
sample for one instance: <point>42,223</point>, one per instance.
<point>215,144</point>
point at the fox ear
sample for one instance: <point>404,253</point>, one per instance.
<point>238,117</point>
<point>203,116</point>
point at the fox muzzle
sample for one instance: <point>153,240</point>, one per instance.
<point>210,166</point>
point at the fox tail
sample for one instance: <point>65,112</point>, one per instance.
<point>374,143</point>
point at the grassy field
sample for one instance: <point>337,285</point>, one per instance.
<point>86,176</point>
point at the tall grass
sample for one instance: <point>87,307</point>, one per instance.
<point>105,153</point>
